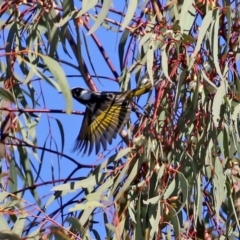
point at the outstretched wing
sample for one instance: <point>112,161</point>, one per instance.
<point>101,126</point>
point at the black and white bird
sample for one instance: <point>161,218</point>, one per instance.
<point>105,116</point>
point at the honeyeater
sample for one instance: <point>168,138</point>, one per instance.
<point>105,116</point>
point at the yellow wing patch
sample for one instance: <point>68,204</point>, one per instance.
<point>99,129</point>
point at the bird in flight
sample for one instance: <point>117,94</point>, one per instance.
<point>105,116</point>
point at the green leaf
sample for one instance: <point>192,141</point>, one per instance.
<point>184,189</point>
<point>66,19</point>
<point>198,196</point>
<point>119,229</point>
<point>25,164</point>
<point>121,47</point>
<point>155,219</point>
<point>218,101</point>
<point>130,178</point>
<point>68,13</point>
<point>59,75</point>
<point>131,208</point>
<point>5,94</point>
<point>29,77</point>
<point>207,20</point>
<point>170,189</point>
<point>103,13</point>
<point>10,39</point>
<point>99,192</point>
<point>3,224</point>
<point>131,8</point>
<point>165,62</point>
<point>216,44</point>
<point>152,200</point>
<point>9,235</point>
<point>86,5</point>
<point>61,130</point>
<point>20,222</point>
<point>59,233</point>
<point>187,16</point>
<point>174,221</point>
<point>179,87</point>
<point>13,184</point>
<point>205,77</point>
<point>87,214</point>
<point>87,182</point>
<point>122,153</point>
<point>75,223</point>
<point>220,192</point>
<point>28,177</point>
<point>150,58</point>
<point>228,13</point>
<point>40,74</point>
<point>144,40</point>
<point>56,195</point>
<point>87,205</point>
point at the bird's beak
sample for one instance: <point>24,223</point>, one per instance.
<point>59,92</point>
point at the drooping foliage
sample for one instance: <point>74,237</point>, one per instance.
<point>174,171</point>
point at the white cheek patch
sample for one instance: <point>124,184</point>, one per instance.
<point>85,95</point>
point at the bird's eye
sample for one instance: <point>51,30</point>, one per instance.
<point>77,93</point>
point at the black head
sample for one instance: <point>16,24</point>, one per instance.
<point>81,94</point>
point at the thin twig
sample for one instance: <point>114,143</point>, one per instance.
<point>21,110</point>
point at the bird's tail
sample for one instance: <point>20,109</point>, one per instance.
<point>141,90</point>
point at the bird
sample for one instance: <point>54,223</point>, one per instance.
<point>105,116</point>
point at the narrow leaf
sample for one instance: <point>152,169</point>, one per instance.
<point>87,182</point>
<point>104,11</point>
<point>59,75</point>
<point>87,205</point>
<point>132,5</point>
<point>5,94</point>
<point>86,5</point>
<point>61,130</point>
